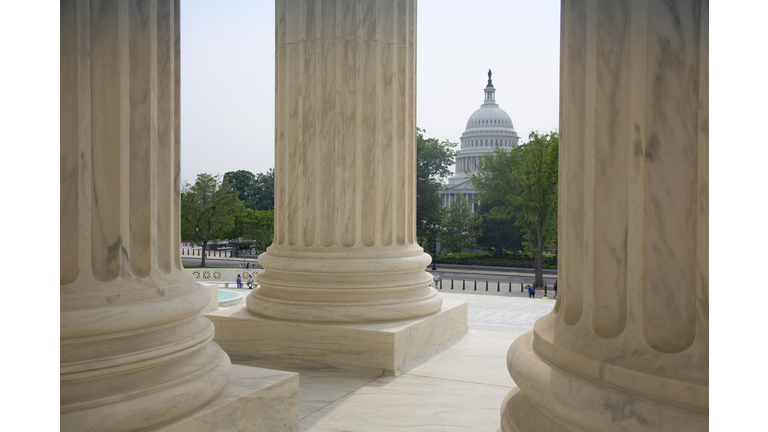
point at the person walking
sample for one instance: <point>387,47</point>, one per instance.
<point>436,278</point>
<point>239,281</point>
<point>250,281</point>
<point>555,288</point>
<point>531,292</point>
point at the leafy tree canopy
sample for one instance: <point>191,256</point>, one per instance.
<point>257,192</point>
<point>433,159</point>
<point>244,184</point>
<point>208,210</point>
<point>264,190</point>
<point>497,234</point>
<point>458,231</point>
<point>256,225</point>
<point>524,179</point>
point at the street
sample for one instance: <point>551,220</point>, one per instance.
<point>469,279</point>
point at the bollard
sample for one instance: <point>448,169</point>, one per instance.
<point>463,284</point>
<point>545,289</point>
<point>486,285</point>
<point>521,287</point>
<point>498,286</point>
<point>510,286</point>
<point>441,284</point>
<point>475,284</point>
<point>451,283</point>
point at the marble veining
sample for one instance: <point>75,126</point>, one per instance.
<point>345,159</point>
<point>631,317</point>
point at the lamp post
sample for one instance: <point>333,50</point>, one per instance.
<point>433,228</point>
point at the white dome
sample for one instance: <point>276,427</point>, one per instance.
<point>489,116</point>
<point>488,129</point>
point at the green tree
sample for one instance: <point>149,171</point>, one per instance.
<point>458,231</point>
<point>256,225</point>
<point>244,183</point>
<point>433,158</point>
<point>497,234</point>
<point>208,210</point>
<point>524,179</point>
<point>264,190</point>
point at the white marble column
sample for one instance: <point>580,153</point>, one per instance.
<point>627,344</point>
<point>345,244</point>
<point>134,350</point>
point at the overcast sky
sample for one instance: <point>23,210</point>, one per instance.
<point>228,74</point>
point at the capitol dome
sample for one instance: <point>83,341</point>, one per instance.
<point>489,116</point>
<point>488,128</point>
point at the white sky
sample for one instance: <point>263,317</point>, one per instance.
<point>228,71</point>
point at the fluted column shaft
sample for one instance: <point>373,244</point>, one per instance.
<point>345,148</point>
<point>134,350</point>
<point>632,314</point>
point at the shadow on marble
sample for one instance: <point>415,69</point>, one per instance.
<point>458,389</point>
<point>476,358</point>
<point>319,384</point>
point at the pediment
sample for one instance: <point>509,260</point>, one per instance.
<point>456,187</point>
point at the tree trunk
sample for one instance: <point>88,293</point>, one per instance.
<point>538,260</point>
<point>202,255</point>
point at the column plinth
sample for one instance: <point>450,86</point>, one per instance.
<point>345,248</point>
<point>344,280</point>
<point>627,344</point>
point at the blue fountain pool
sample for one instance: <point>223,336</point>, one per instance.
<point>226,296</point>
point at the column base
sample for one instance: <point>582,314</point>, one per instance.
<point>254,399</point>
<point>388,346</point>
<point>352,286</point>
<point>554,399</point>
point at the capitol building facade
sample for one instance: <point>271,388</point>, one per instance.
<point>487,129</point>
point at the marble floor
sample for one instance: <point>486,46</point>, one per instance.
<point>461,388</point>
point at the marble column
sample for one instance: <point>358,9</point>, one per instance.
<point>135,352</point>
<point>345,245</point>
<point>626,347</point>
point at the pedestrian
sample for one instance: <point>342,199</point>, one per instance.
<point>555,288</point>
<point>436,278</point>
<point>239,281</point>
<point>531,292</point>
<point>241,265</point>
<point>250,281</point>
<point>247,265</point>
